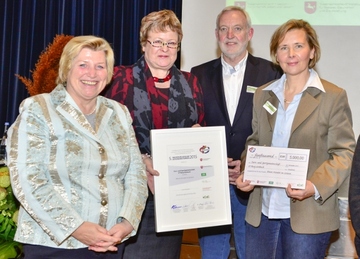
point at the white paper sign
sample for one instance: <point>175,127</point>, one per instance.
<point>192,189</point>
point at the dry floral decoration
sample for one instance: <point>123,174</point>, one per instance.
<point>46,68</point>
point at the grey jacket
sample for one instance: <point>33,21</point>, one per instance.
<point>323,124</point>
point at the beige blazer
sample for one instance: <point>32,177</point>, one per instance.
<point>323,124</point>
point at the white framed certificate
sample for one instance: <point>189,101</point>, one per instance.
<point>192,190</point>
<point>277,167</point>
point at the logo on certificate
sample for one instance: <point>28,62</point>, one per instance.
<point>204,149</point>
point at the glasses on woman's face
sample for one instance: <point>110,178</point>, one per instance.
<point>160,44</point>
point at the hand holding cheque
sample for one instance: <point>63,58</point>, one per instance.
<point>277,167</point>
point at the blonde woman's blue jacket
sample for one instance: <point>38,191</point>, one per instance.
<point>64,172</point>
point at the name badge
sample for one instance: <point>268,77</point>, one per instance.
<point>251,89</point>
<point>269,107</point>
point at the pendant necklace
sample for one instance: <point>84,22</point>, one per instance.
<point>286,101</point>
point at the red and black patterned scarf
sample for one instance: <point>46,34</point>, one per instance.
<point>151,105</point>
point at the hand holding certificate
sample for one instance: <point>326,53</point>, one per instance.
<point>276,167</point>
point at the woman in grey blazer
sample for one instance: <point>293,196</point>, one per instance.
<point>300,110</point>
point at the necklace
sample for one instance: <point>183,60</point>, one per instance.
<point>87,114</point>
<point>286,86</point>
<point>162,80</point>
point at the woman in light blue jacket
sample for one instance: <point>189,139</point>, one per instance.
<point>75,164</point>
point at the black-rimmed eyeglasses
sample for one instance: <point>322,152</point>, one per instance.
<point>160,43</point>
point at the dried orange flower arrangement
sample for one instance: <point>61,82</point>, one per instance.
<point>46,69</point>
